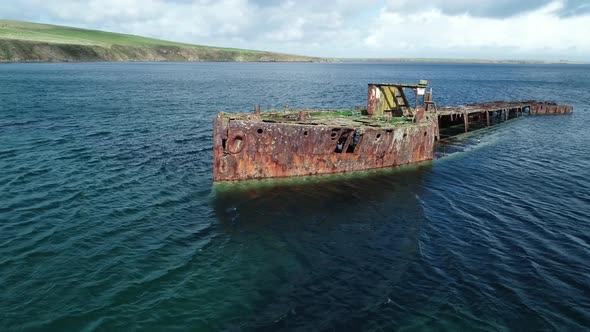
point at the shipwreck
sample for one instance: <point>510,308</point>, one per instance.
<point>399,125</point>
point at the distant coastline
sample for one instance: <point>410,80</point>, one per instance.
<point>445,60</point>
<point>34,42</point>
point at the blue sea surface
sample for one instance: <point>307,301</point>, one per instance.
<point>109,219</point>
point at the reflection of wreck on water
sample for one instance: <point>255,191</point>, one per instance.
<point>389,131</point>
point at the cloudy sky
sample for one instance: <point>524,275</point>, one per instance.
<point>500,29</point>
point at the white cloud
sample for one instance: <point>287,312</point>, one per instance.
<point>541,33</point>
<point>538,29</point>
<point>483,8</point>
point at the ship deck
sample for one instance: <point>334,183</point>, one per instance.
<point>332,118</point>
<point>307,142</point>
<point>487,113</point>
<point>490,113</point>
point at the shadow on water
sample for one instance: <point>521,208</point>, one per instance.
<point>293,202</point>
<point>339,243</point>
<point>455,140</point>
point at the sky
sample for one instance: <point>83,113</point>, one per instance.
<point>484,29</point>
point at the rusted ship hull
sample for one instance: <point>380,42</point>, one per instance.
<point>256,150</point>
<point>388,132</point>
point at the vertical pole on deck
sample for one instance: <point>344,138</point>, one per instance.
<point>466,120</point>
<point>488,118</point>
<point>426,99</point>
<point>437,127</point>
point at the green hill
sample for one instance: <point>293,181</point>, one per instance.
<point>34,42</point>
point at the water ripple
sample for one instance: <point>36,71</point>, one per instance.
<point>108,218</point>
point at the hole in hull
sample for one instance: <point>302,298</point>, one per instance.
<point>236,143</point>
<point>356,137</point>
<point>342,141</point>
<point>334,133</point>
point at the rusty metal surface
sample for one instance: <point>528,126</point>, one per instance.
<point>531,106</point>
<point>539,108</point>
<point>250,149</point>
<point>500,111</point>
<point>307,142</point>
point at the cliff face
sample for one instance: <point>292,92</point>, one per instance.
<point>12,50</point>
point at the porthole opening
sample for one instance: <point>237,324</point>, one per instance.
<point>235,144</point>
<point>259,130</point>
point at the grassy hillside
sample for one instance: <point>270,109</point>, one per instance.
<point>26,41</point>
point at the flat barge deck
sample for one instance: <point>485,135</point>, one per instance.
<point>493,112</point>
<point>388,132</point>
